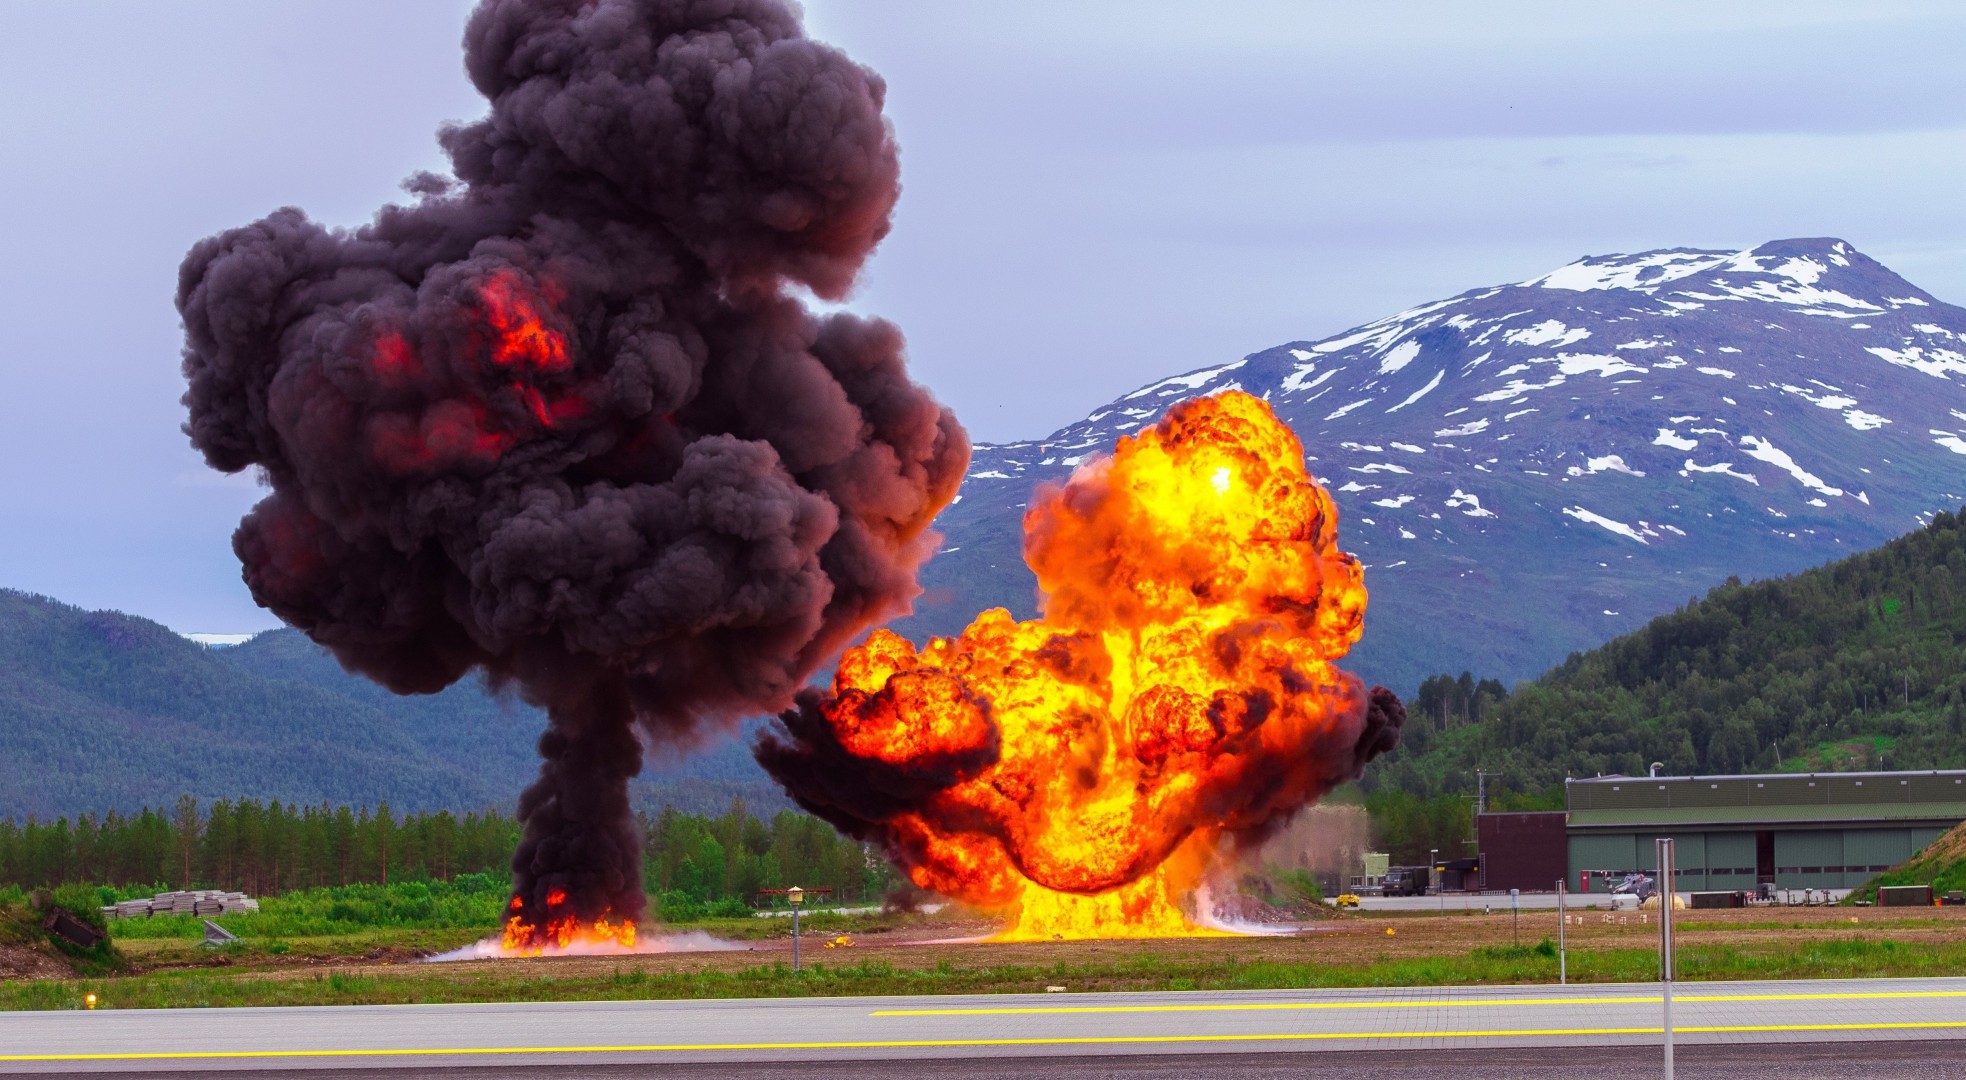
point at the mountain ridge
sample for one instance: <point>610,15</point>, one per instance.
<point>1530,469</point>
<point>102,710</point>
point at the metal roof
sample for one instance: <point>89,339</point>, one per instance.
<point>1936,813</point>
<point>1826,796</point>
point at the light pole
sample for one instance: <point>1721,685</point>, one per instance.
<point>795,896</point>
<point>1433,872</point>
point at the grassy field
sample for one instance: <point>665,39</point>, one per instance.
<point>914,954</point>
<point>1143,970</point>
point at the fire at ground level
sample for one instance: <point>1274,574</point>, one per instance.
<point>947,946</point>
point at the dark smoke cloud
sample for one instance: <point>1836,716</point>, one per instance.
<point>559,419</point>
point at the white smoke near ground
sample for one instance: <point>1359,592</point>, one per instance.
<point>1212,914</point>
<point>1259,891</point>
<point>695,941</point>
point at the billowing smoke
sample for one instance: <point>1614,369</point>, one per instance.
<point>562,418</point>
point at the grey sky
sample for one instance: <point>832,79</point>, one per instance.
<point>1097,194</point>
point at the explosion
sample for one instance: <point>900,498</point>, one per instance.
<point>1083,770</point>
<point>563,419</point>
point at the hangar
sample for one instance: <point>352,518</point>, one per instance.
<point>1790,830</point>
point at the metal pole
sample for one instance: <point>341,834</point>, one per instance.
<point>1665,863</point>
<point>1562,921</point>
<point>795,941</point>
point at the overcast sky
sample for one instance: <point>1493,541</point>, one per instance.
<point>1098,194</point>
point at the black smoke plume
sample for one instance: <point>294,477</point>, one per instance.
<point>562,419</point>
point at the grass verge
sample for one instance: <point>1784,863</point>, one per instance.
<point>1858,957</point>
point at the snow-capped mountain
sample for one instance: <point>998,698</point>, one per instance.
<point>1532,469</point>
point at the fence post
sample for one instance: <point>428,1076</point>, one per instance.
<point>1562,922</point>
<point>1665,864</point>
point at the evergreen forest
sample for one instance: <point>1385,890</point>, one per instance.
<point>692,863</point>
<point>1860,664</point>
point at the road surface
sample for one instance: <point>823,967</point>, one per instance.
<point>1204,1033</point>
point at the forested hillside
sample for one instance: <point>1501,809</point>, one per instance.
<point>103,711</point>
<point>1858,664</point>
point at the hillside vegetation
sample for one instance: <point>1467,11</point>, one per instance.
<point>103,711</point>
<point>1942,865</point>
<point>1857,664</point>
<point>692,863</point>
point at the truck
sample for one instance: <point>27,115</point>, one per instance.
<point>1407,880</point>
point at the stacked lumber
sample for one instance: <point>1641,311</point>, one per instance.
<point>200,902</point>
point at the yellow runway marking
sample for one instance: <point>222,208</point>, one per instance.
<point>919,1044</point>
<point>1273,1006</point>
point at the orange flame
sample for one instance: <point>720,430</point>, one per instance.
<point>509,329</point>
<point>1082,769</point>
<point>562,933</point>
<point>521,337</point>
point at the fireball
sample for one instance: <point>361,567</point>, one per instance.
<point>1083,770</point>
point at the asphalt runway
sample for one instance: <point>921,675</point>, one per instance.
<point>1918,1024</point>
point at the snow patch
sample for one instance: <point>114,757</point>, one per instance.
<point>1468,504</point>
<point>1940,363</point>
<point>1472,427</point>
<point>1725,468</point>
<point>1394,503</point>
<point>1398,357</point>
<point>1644,273</point>
<point>1548,332</point>
<point>1603,522</point>
<point>1611,463</point>
<point>1669,437</point>
<point>1422,392</point>
<point>1762,450</point>
<point>1191,381</point>
<point>1596,363</point>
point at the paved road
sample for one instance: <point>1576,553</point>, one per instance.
<point>1787,1061</point>
<point>988,1035</point>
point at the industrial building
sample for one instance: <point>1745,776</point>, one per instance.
<point>1790,830</point>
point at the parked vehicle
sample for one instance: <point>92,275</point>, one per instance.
<point>1408,880</point>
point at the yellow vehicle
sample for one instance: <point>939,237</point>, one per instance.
<point>1346,900</point>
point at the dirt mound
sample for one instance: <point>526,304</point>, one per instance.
<point>1948,848</point>
<point>22,960</point>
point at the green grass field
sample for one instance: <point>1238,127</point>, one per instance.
<point>1142,970</point>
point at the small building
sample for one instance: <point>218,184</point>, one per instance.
<point>1789,830</point>
<point>1522,850</point>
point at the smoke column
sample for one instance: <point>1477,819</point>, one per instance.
<point>562,419</point>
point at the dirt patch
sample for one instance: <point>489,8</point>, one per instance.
<point>24,961</point>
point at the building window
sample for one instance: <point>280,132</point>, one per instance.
<point>1812,870</point>
<point>1788,870</point>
